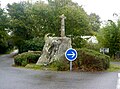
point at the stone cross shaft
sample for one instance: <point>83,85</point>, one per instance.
<point>62,25</point>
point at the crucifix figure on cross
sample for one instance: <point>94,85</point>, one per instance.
<point>62,25</point>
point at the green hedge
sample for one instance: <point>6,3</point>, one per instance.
<point>26,58</point>
<point>91,60</point>
<point>60,65</point>
<point>78,42</point>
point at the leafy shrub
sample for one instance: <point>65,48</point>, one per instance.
<point>60,65</point>
<point>5,42</point>
<point>3,48</point>
<point>78,42</point>
<point>26,58</point>
<point>92,60</point>
<point>93,46</point>
<point>35,44</point>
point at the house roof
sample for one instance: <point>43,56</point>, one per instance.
<point>90,39</point>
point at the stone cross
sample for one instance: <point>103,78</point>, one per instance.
<point>62,25</point>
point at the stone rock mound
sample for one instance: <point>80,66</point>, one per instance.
<point>54,49</point>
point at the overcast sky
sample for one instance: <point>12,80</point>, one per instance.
<point>104,8</point>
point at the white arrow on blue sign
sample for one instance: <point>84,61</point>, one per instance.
<point>71,54</point>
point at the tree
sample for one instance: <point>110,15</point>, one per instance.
<point>3,33</point>
<point>94,22</point>
<point>18,17</point>
<point>109,37</point>
<point>77,21</point>
<point>18,23</point>
<point>28,21</point>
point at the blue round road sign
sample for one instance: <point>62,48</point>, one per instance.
<point>71,54</point>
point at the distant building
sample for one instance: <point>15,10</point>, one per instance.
<point>90,39</point>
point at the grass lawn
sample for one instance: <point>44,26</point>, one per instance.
<point>40,67</point>
<point>114,68</point>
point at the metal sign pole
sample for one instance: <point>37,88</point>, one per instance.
<point>71,55</point>
<point>70,65</point>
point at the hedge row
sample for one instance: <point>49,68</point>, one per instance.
<point>87,60</point>
<point>91,60</point>
<point>26,58</point>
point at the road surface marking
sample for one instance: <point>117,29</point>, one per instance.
<point>118,82</point>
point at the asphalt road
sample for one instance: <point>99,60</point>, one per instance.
<point>20,78</point>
